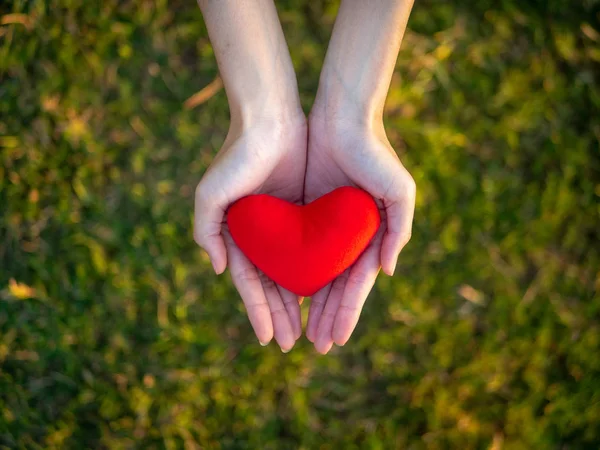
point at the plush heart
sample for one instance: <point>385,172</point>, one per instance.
<point>303,248</point>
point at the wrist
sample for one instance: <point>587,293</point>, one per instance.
<point>266,104</point>
<point>338,103</point>
<point>337,116</point>
<point>274,124</point>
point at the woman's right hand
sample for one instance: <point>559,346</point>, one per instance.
<point>266,157</point>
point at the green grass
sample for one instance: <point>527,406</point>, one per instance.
<point>115,333</point>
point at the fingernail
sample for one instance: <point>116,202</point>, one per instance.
<point>285,351</point>
<point>214,267</point>
<point>264,344</point>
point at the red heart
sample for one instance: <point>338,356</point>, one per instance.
<point>303,248</point>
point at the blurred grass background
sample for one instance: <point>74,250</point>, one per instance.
<point>115,333</point>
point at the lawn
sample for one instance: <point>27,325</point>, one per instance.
<point>114,331</point>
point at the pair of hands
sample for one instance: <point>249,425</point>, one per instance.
<point>300,161</point>
<point>272,149</point>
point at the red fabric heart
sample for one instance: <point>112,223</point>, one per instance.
<point>303,248</point>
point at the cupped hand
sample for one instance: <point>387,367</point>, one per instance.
<point>356,154</point>
<point>268,157</point>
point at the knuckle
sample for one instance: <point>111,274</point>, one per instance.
<point>267,283</point>
<point>199,236</point>
<point>359,278</point>
<point>339,283</point>
<point>351,308</point>
<point>317,303</point>
<point>290,300</point>
<point>247,274</point>
<point>259,305</point>
<point>402,188</point>
<point>278,310</point>
<point>328,314</point>
<point>410,187</point>
<point>338,286</point>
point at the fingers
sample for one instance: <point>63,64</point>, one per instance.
<point>335,309</point>
<point>324,338</point>
<point>360,281</point>
<point>266,309</point>
<point>282,327</point>
<point>400,208</point>
<point>317,304</point>
<point>208,217</point>
<point>246,280</point>
<point>292,304</point>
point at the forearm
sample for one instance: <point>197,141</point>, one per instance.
<point>253,59</point>
<point>360,60</point>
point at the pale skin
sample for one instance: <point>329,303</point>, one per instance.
<point>271,148</point>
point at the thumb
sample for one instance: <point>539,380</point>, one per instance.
<point>399,208</point>
<point>208,217</point>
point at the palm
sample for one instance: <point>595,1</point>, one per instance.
<point>262,162</point>
<point>286,181</point>
<point>323,174</point>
